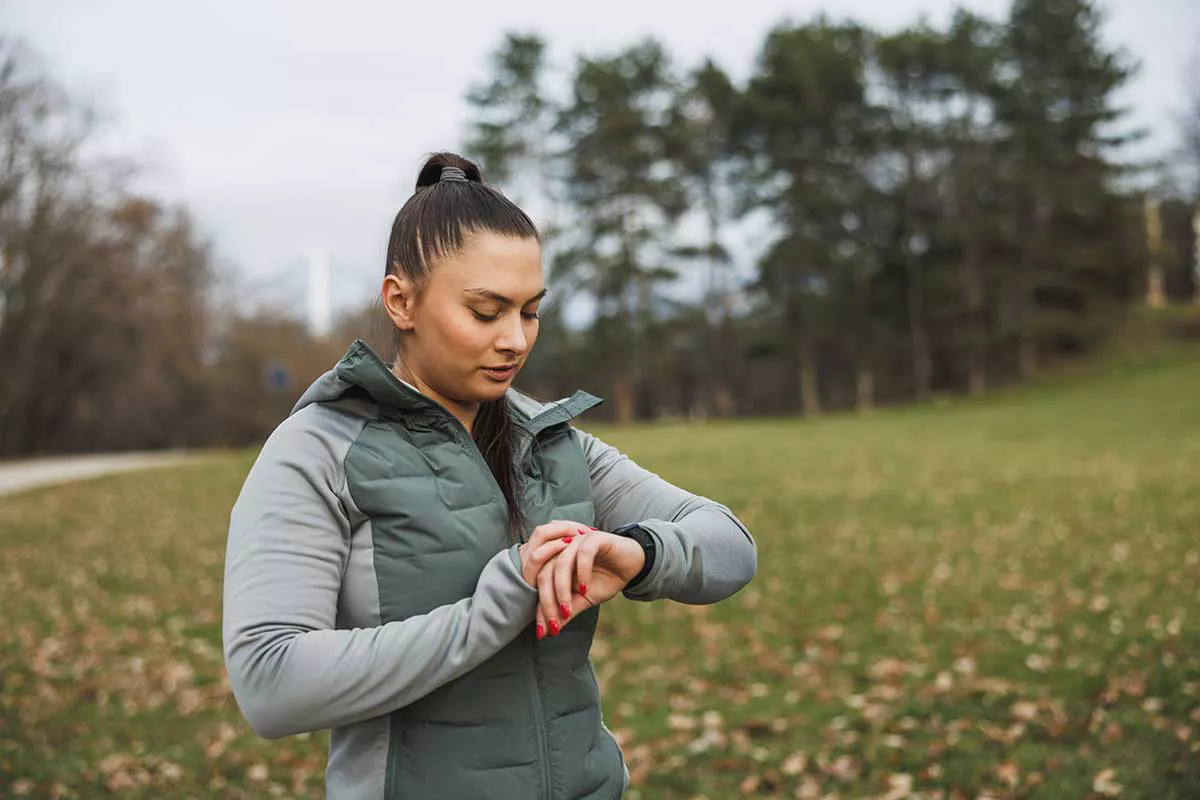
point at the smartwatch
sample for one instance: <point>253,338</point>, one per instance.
<point>646,539</point>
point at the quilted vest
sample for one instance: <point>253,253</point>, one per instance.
<point>526,724</point>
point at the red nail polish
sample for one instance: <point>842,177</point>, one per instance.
<point>583,588</point>
<point>554,627</point>
<point>565,609</point>
<point>595,529</point>
<point>582,531</point>
<point>567,539</point>
<point>541,631</point>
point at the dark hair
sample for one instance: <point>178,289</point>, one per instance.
<point>434,224</point>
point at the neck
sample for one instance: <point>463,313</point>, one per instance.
<point>465,413</point>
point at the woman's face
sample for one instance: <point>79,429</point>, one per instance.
<point>471,327</point>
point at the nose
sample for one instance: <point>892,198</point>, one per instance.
<point>512,338</point>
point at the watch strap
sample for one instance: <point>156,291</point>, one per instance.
<point>646,539</point>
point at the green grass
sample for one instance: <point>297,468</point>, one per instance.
<point>985,599</point>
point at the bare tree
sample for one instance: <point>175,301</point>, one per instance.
<point>103,312</point>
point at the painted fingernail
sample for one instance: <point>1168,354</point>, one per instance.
<point>554,627</point>
<point>594,529</point>
<point>567,539</point>
<point>583,588</point>
<point>565,609</point>
<point>541,631</point>
<point>582,531</point>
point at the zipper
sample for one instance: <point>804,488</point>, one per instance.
<point>543,739</point>
<point>468,443</point>
<point>535,694</point>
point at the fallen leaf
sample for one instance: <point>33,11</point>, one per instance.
<point>1104,783</point>
<point>1009,773</point>
<point>795,763</point>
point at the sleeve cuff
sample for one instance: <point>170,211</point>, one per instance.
<point>645,589</point>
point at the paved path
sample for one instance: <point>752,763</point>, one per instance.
<point>17,476</point>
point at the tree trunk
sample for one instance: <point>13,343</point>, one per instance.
<point>922,361</point>
<point>918,334</point>
<point>810,400</point>
<point>1027,361</point>
<point>972,279</point>
<point>810,394</point>
<point>864,336</point>
<point>1033,260</point>
<point>625,397</point>
<point>1196,255</point>
<point>1155,295</point>
<point>1022,300</point>
<point>725,402</point>
<point>865,389</point>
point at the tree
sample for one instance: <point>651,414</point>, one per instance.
<point>802,126</point>
<point>513,117</point>
<point>939,85</point>
<point>621,184</point>
<point>701,128</point>
<point>1057,106</point>
<point>103,312</point>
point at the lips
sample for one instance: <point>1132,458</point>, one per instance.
<point>503,372</point>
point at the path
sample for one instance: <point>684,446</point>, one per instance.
<point>17,476</point>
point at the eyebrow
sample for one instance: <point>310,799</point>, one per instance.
<point>488,294</point>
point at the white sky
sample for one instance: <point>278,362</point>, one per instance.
<point>288,126</point>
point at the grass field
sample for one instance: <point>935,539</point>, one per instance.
<point>993,599</point>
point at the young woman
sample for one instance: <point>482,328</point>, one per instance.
<point>412,560</point>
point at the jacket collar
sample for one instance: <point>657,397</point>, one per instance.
<point>362,368</point>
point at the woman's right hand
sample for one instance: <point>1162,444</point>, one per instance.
<point>595,568</point>
<point>543,545</point>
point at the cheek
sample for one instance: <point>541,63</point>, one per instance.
<point>464,336</point>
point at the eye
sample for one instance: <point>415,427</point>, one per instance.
<point>529,315</point>
<point>485,317</point>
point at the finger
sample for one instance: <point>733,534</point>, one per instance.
<point>564,572</point>
<point>555,529</point>
<point>534,561</point>
<point>584,561</point>
<point>545,586</point>
<point>544,554</point>
<point>540,628</point>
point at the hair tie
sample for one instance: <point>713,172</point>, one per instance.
<point>453,174</point>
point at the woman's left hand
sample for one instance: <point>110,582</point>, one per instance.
<point>594,568</point>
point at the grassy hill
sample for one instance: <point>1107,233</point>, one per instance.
<point>993,598</point>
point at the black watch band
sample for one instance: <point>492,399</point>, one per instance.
<point>649,547</point>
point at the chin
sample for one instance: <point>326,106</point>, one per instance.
<point>489,390</point>
<point>493,392</point>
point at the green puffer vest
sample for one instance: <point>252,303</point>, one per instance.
<point>526,724</point>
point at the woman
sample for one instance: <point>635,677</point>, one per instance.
<point>412,562</point>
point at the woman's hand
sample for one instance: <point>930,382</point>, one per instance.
<point>543,544</point>
<point>592,569</point>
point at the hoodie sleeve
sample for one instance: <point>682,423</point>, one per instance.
<point>704,553</point>
<point>289,540</point>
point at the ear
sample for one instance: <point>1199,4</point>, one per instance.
<point>400,301</point>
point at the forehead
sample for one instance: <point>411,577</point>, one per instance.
<point>501,264</point>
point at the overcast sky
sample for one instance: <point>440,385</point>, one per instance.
<point>288,126</point>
